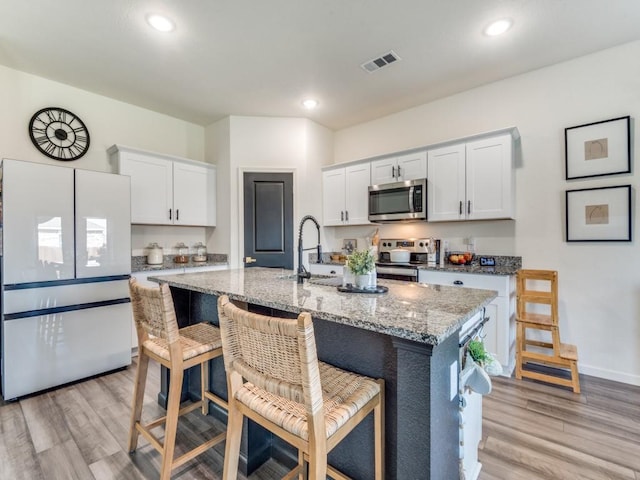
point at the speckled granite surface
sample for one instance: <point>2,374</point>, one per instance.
<point>422,313</point>
<point>139,263</point>
<point>505,265</point>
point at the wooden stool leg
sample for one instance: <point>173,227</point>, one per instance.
<point>317,465</point>
<point>521,340</point>
<point>204,385</point>
<point>575,378</point>
<point>302,474</point>
<point>232,447</point>
<point>138,399</point>
<point>171,423</point>
<point>378,420</point>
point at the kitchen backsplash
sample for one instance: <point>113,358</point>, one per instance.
<point>168,237</point>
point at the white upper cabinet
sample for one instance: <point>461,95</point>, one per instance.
<point>194,194</point>
<point>408,166</point>
<point>472,180</point>
<point>345,195</point>
<point>168,190</point>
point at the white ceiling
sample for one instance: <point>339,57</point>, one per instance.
<point>261,57</point>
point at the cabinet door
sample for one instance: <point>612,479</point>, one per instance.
<point>103,224</point>
<point>384,171</point>
<point>490,178</point>
<point>151,187</point>
<point>446,183</point>
<point>38,234</point>
<point>333,197</point>
<point>357,181</point>
<point>412,166</point>
<point>193,195</point>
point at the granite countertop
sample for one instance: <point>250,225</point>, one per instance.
<point>505,265</point>
<point>422,313</point>
<point>139,263</point>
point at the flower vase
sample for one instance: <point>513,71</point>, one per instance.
<point>362,281</point>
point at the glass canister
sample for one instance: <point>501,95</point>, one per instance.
<point>200,252</point>
<point>154,254</point>
<point>182,253</point>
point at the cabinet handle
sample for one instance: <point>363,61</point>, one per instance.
<point>399,171</point>
<point>468,207</point>
<point>460,208</point>
<point>170,215</point>
<point>346,215</point>
<point>393,172</point>
<point>341,216</point>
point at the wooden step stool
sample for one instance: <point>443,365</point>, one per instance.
<point>554,353</point>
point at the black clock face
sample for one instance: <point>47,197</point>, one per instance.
<point>59,134</point>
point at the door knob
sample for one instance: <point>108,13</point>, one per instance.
<point>249,260</point>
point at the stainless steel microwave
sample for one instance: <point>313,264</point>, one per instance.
<point>398,202</point>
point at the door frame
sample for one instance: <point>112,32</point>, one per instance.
<point>241,172</point>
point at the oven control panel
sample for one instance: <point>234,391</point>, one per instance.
<point>419,245</point>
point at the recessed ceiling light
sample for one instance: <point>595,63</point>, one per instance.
<point>310,103</point>
<point>498,27</point>
<point>160,23</point>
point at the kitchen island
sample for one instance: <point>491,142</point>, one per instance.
<point>408,336</point>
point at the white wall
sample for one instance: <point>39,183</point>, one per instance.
<point>241,144</point>
<point>599,283</point>
<point>108,121</point>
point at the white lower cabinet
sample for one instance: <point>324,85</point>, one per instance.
<point>500,331</point>
<point>142,278</point>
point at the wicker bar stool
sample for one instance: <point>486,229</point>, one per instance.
<point>177,349</point>
<point>275,379</point>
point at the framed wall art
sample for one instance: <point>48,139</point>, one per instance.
<point>597,149</point>
<point>599,214</point>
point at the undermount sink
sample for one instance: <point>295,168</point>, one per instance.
<point>325,280</point>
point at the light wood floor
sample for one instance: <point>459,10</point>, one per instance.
<point>531,431</point>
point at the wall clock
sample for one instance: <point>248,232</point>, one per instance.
<point>59,134</point>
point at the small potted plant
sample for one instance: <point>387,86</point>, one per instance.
<point>362,263</point>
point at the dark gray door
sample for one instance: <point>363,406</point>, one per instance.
<point>268,220</point>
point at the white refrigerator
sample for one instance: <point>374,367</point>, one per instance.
<point>65,264</point>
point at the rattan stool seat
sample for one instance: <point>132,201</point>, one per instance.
<point>343,393</point>
<point>194,340</point>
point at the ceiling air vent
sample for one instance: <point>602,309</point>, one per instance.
<point>382,61</point>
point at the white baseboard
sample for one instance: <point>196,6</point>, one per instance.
<point>613,375</point>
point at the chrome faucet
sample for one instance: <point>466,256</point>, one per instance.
<point>302,272</point>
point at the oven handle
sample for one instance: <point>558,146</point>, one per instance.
<point>406,272</point>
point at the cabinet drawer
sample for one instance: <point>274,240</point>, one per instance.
<point>29,299</point>
<point>320,269</point>
<point>500,283</point>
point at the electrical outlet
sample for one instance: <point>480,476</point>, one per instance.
<point>471,243</point>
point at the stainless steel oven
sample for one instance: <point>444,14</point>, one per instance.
<point>418,250</point>
<point>398,202</point>
<point>406,272</point>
